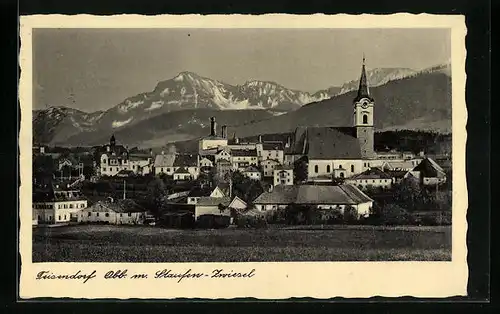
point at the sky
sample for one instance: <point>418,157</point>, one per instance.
<point>96,69</point>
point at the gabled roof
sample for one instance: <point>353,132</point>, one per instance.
<point>186,160</point>
<point>213,201</point>
<point>164,160</point>
<point>327,143</point>
<point>251,169</point>
<point>125,172</point>
<point>372,173</point>
<point>429,168</point>
<point>51,194</point>
<point>237,199</point>
<point>313,194</point>
<point>284,167</point>
<point>118,206</point>
<point>272,146</point>
<point>244,152</point>
<point>181,170</point>
<point>399,164</point>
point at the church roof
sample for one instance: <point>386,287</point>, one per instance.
<point>327,143</point>
<point>363,90</point>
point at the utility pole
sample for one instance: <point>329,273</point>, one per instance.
<point>124,186</point>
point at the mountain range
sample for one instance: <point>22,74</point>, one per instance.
<point>179,108</point>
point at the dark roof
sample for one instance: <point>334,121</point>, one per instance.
<point>284,167</point>
<point>164,160</point>
<point>272,146</point>
<point>125,172</point>
<point>313,194</point>
<point>213,201</point>
<point>327,143</point>
<point>429,168</point>
<point>199,192</point>
<point>363,91</point>
<point>251,169</point>
<point>372,173</point>
<point>396,173</point>
<point>118,206</point>
<point>181,170</point>
<point>244,152</point>
<point>186,161</point>
<point>56,195</point>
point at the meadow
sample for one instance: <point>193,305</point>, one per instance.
<point>108,243</point>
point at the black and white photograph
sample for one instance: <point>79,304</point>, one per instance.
<point>236,145</point>
<point>242,145</point>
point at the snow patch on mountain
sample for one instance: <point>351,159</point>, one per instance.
<point>117,124</point>
<point>155,105</point>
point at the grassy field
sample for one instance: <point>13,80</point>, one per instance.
<point>107,243</point>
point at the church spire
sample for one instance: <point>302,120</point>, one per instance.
<point>363,90</point>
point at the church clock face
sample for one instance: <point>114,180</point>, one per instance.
<point>364,105</point>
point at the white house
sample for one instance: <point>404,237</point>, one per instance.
<point>212,206</point>
<point>206,163</point>
<point>252,173</point>
<point>181,174</point>
<point>268,166</point>
<point>164,164</point>
<point>271,150</point>
<point>321,197</point>
<point>196,193</point>
<point>398,165</point>
<point>118,212</point>
<point>113,158</point>
<point>283,175</point>
<point>372,178</point>
<point>55,205</point>
<point>213,140</point>
<point>223,154</point>
<point>242,158</point>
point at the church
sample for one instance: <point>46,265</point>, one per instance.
<point>339,152</point>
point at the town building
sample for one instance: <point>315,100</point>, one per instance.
<point>397,165</point>
<point>318,196</point>
<point>56,205</point>
<point>212,206</point>
<point>283,175</point>
<point>428,172</point>
<point>198,192</point>
<point>213,140</point>
<point>206,162</point>
<point>181,174</point>
<point>271,150</point>
<point>242,158</point>
<point>339,151</point>
<point>188,161</point>
<point>117,212</point>
<point>268,167</point>
<point>164,164</point>
<point>113,158</point>
<point>223,169</point>
<point>371,178</point>
<point>252,172</point>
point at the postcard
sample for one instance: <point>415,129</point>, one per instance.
<point>235,156</point>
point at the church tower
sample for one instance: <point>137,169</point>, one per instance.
<point>363,116</point>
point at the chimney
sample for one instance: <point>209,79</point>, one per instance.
<point>288,142</point>
<point>260,138</point>
<point>108,148</point>
<point>224,131</point>
<point>163,152</point>
<point>213,126</point>
<point>270,190</point>
<point>236,140</point>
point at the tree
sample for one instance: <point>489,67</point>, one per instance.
<point>408,194</point>
<point>156,196</point>
<point>350,214</point>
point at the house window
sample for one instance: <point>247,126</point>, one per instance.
<point>107,214</point>
<point>130,214</point>
<point>65,205</point>
<point>341,174</point>
<point>316,168</point>
<point>104,169</point>
<point>64,217</point>
<point>97,214</point>
<point>59,217</point>
<point>70,205</point>
<point>90,214</point>
<point>39,217</point>
<point>120,215</point>
<point>352,168</point>
<point>328,168</point>
<point>340,166</point>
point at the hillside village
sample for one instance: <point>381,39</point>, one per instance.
<point>316,174</point>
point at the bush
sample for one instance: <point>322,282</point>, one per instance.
<point>213,221</point>
<point>251,222</point>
